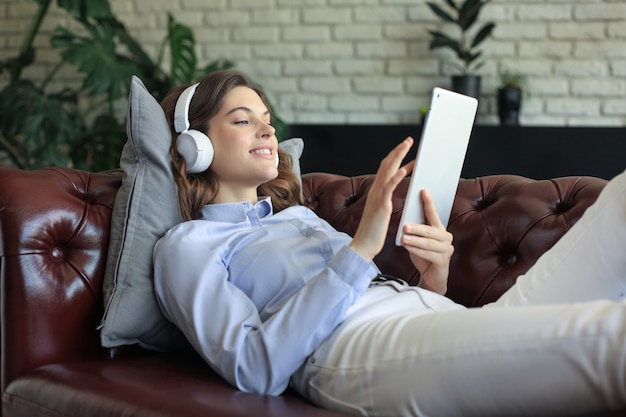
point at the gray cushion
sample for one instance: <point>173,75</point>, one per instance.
<point>145,207</point>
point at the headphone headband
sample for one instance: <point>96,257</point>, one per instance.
<point>181,112</point>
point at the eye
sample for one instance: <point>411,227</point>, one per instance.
<point>242,122</point>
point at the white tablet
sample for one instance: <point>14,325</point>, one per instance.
<point>440,155</point>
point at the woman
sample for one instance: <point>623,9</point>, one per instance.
<point>271,295</point>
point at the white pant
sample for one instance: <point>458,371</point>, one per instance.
<point>554,344</point>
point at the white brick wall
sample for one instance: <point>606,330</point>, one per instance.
<point>367,61</point>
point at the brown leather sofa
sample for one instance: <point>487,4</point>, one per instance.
<point>55,234</point>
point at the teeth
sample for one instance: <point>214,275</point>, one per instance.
<point>262,152</point>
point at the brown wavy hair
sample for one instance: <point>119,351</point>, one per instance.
<point>197,190</point>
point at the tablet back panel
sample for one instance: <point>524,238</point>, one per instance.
<point>440,155</point>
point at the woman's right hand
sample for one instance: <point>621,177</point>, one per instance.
<point>369,238</point>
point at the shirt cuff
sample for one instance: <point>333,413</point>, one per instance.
<point>353,269</point>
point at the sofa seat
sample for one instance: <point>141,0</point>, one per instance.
<point>54,238</point>
<point>148,384</point>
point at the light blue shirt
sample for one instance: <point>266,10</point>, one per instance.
<point>255,292</point>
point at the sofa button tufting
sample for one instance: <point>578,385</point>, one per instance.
<point>511,260</point>
<point>57,253</point>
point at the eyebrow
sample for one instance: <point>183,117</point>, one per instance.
<point>246,109</point>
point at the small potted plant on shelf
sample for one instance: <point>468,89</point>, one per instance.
<point>510,94</point>
<point>464,16</point>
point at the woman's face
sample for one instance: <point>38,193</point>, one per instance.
<point>245,145</point>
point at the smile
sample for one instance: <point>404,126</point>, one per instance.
<point>261,151</point>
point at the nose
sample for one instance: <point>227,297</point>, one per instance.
<point>266,131</point>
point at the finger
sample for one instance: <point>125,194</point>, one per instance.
<point>416,231</point>
<point>430,211</point>
<point>392,161</point>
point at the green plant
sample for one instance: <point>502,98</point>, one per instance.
<point>512,79</point>
<point>80,127</point>
<point>464,17</point>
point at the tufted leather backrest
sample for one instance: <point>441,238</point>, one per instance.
<point>55,233</point>
<point>501,224</point>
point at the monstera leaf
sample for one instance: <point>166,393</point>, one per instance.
<point>38,129</point>
<point>95,55</point>
<point>182,49</point>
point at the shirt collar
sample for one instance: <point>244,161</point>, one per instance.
<point>237,212</point>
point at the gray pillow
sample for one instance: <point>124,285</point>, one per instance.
<point>145,207</point>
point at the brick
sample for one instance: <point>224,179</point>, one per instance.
<point>402,104</point>
<point>306,102</point>
<point>379,14</point>
<point>378,85</point>
<point>326,117</point>
<point>598,88</point>
<point>353,2</point>
<point>255,34</point>
<point>358,32</point>
<point>553,50</point>
<point>328,50</point>
<point>307,67</point>
<point>381,49</point>
<point>573,107</point>
<point>601,50</point>
<point>617,29</point>
<point>600,11</point>
<point>354,103</point>
<point>581,68</point>
<point>358,66</point>
<point>521,31</point>
<point>415,66</point>
<point>280,85</point>
<point>278,50</point>
<point>202,4</point>
<point>276,17</point>
<point>325,85</point>
<point>614,107</point>
<point>259,68</point>
<point>323,15</point>
<point>540,12</point>
<point>548,87</point>
<point>227,18</point>
<point>219,50</point>
<point>315,33</point>
<point>577,30</point>
<point>618,68</point>
<point>406,31</point>
<point>247,4</point>
<point>301,3</point>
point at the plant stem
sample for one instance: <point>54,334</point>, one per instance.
<point>27,43</point>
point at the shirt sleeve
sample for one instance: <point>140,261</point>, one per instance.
<point>224,326</point>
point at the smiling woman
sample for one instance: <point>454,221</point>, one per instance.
<point>271,295</point>
<point>227,108</point>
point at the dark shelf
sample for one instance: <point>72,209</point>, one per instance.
<point>535,152</point>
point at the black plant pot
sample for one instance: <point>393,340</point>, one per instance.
<point>509,105</point>
<point>466,84</point>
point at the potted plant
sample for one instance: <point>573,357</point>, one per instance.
<point>510,95</point>
<point>39,127</point>
<point>464,16</point>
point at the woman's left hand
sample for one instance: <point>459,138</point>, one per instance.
<point>430,248</point>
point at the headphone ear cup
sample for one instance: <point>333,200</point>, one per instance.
<point>197,150</point>
<point>277,160</point>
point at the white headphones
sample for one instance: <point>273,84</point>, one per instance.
<point>194,146</point>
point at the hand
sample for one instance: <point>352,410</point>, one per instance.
<point>430,248</point>
<point>369,238</point>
